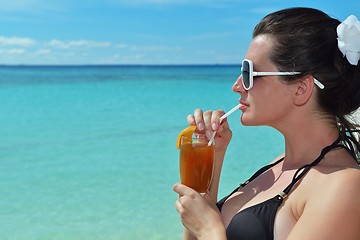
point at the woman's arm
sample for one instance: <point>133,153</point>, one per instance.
<point>187,235</point>
<point>214,187</point>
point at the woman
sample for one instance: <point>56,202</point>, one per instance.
<point>311,83</point>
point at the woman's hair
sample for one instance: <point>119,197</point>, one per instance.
<point>305,40</point>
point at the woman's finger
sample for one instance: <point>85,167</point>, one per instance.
<point>182,190</point>
<point>198,115</point>
<point>191,120</point>
<point>178,206</point>
<point>215,119</point>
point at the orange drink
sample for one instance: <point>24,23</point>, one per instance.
<point>196,162</point>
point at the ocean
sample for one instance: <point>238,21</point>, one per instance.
<point>88,152</point>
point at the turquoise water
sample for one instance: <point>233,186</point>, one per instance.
<point>89,152</point>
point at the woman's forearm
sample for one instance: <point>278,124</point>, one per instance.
<point>214,187</point>
<point>187,235</point>
<point>217,232</point>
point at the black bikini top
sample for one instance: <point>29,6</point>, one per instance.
<point>257,222</point>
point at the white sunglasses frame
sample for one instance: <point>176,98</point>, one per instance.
<point>253,74</point>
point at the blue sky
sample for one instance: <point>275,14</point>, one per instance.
<point>138,31</point>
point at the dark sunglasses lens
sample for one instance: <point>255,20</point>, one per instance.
<point>245,72</point>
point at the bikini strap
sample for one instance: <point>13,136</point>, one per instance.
<point>304,169</point>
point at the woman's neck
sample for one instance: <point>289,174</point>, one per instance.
<point>304,141</point>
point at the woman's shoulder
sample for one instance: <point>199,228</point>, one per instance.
<point>328,194</point>
<point>338,168</point>
<point>339,175</point>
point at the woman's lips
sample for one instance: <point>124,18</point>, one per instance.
<point>243,105</point>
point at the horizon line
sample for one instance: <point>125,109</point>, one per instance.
<point>121,64</point>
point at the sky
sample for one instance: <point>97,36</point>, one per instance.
<point>81,32</point>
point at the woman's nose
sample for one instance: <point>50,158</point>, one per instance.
<point>237,86</point>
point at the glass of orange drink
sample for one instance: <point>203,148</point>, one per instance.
<point>196,160</point>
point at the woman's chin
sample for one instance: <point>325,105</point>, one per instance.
<point>248,121</point>
<point>244,120</point>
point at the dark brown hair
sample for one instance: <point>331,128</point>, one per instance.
<point>305,40</point>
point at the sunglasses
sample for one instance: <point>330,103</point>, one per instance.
<point>248,74</point>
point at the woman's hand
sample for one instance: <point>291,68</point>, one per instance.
<point>198,215</point>
<point>208,122</point>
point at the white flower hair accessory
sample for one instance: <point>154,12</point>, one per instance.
<point>349,39</point>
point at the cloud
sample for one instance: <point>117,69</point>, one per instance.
<point>120,46</point>
<point>43,51</point>
<point>16,4</point>
<point>32,5</point>
<point>12,51</point>
<point>78,44</point>
<point>16,41</point>
<point>155,48</point>
<point>26,50</point>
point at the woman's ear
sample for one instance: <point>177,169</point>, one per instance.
<point>304,90</point>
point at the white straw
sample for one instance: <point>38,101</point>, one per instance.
<point>222,118</point>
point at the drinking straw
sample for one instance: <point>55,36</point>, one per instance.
<point>222,118</point>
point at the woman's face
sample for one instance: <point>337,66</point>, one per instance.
<point>270,99</point>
